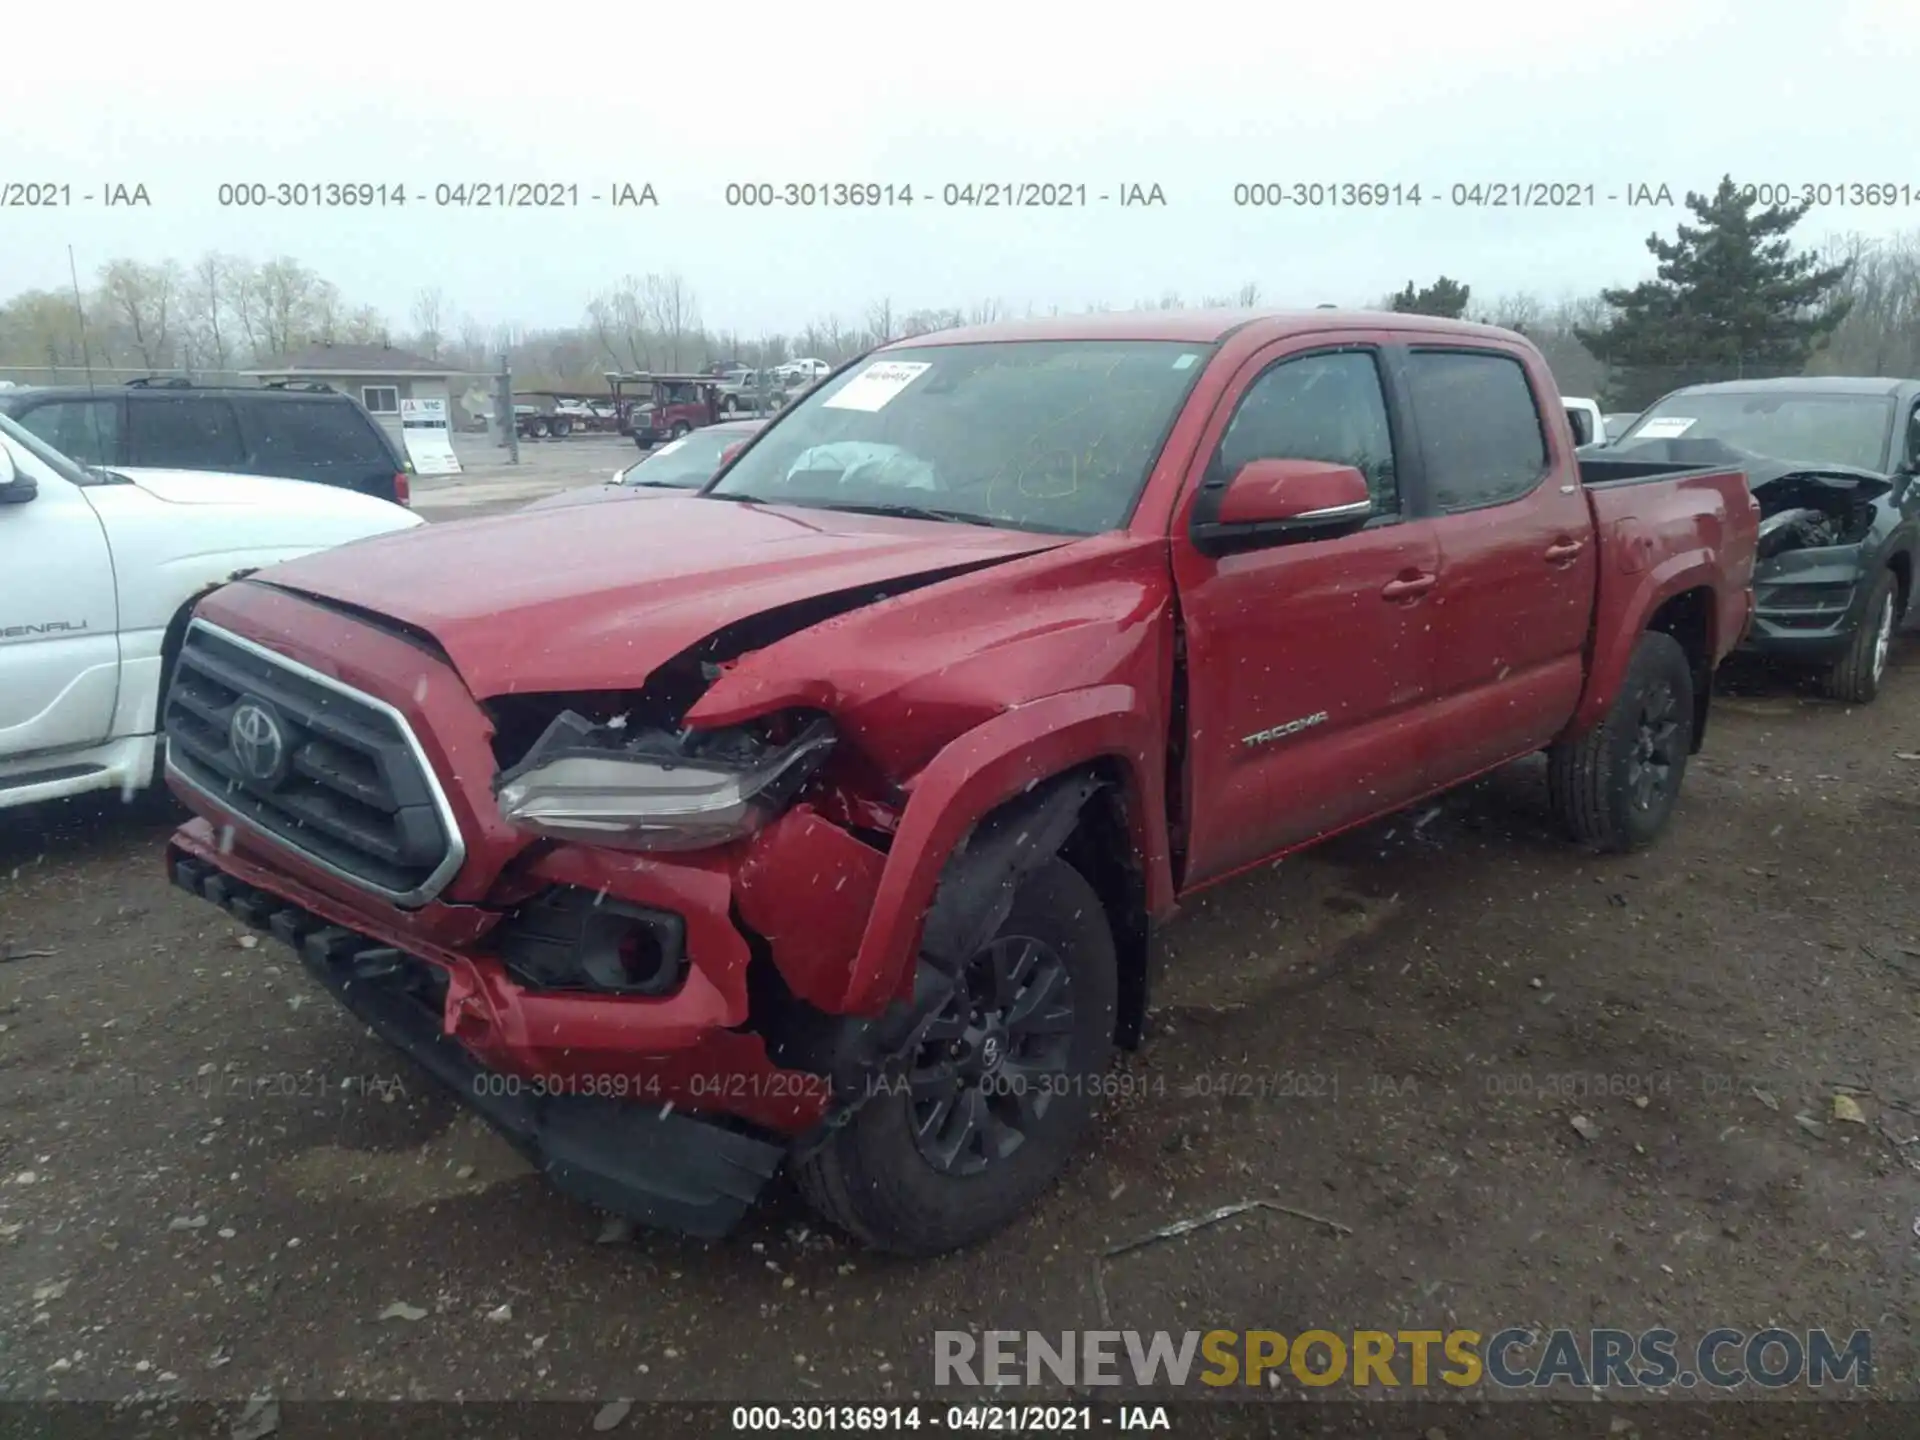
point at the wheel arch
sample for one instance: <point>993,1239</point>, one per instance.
<point>1073,775</point>
<point>1689,618</point>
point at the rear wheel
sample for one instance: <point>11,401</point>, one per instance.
<point>998,1093</point>
<point>1615,786</point>
<point>539,429</point>
<point>562,428</point>
<point>1856,675</point>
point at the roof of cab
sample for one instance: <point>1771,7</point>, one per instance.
<point>1196,327</point>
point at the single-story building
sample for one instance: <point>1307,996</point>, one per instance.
<point>378,376</point>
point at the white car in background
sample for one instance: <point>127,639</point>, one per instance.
<point>805,371</point>
<point>99,570</point>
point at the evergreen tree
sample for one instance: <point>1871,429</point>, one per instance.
<point>1445,298</point>
<point>1731,299</point>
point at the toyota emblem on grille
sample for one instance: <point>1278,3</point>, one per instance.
<point>258,742</point>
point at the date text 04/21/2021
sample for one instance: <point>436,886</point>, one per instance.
<point>958,195</point>
<point>908,1419</point>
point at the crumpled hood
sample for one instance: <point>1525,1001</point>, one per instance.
<point>597,597</point>
<point>1764,472</point>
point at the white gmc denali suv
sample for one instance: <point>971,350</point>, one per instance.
<point>98,570</point>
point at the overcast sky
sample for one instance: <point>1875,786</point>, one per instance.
<point>1194,97</point>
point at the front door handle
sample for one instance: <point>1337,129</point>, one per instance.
<point>1408,586</point>
<point>1562,551</point>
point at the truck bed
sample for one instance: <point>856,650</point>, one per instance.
<point>1670,533</point>
<point>1602,471</point>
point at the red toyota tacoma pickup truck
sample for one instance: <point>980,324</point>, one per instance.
<point>823,818</point>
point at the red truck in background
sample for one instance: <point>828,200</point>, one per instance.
<point>824,817</point>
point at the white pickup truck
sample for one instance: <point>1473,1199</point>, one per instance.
<point>98,570</point>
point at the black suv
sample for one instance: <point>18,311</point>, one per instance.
<point>297,430</point>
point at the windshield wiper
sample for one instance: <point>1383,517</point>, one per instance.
<point>910,512</point>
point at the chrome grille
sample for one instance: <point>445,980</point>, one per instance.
<point>325,770</point>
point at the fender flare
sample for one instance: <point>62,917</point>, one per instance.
<point>1613,649</point>
<point>1012,755</point>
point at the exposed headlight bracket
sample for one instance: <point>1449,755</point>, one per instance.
<point>656,789</point>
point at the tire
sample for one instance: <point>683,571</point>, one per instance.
<point>1615,786</point>
<point>679,431</point>
<point>562,429</point>
<point>539,429</point>
<point>1855,677</point>
<point>728,405</point>
<point>874,1177</point>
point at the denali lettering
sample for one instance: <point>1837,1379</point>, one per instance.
<point>1292,727</point>
<point>51,627</point>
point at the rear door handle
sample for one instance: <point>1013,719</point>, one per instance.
<point>1563,550</point>
<point>1407,586</point>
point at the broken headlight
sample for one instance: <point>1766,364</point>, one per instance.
<point>657,789</point>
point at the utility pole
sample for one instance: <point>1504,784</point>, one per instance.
<point>503,410</point>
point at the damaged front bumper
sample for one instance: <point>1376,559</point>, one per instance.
<point>639,1107</point>
<point>1807,603</point>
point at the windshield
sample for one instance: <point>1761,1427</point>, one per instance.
<point>688,462</point>
<point>1042,435</point>
<point>65,468</point>
<point>1805,427</point>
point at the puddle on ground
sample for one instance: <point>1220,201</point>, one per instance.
<point>464,1159</point>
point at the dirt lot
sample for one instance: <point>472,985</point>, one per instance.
<point>213,1183</point>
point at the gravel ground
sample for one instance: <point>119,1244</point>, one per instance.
<point>214,1184</point>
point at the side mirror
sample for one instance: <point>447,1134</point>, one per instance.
<point>1582,424</point>
<point>15,488</point>
<point>1271,501</point>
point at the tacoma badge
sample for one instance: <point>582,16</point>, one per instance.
<point>1292,727</point>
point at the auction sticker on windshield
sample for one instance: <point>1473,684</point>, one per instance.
<point>874,386</point>
<point>1667,427</point>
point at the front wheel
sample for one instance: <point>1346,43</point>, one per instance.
<point>680,430</point>
<point>999,1090</point>
<point>1856,675</point>
<point>1615,786</point>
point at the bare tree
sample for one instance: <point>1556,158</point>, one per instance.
<point>430,319</point>
<point>473,344</point>
<point>673,313</point>
<point>285,305</point>
<point>881,326</point>
<point>1247,297</point>
<point>40,327</point>
<point>1881,333</point>
<point>144,301</point>
<point>208,301</point>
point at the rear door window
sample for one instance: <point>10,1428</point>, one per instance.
<point>300,434</point>
<point>183,433</point>
<point>1480,431</point>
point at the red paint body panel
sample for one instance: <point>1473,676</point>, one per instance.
<point>598,597</point>
<point>807,887</point>
<point>1323,683</point>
